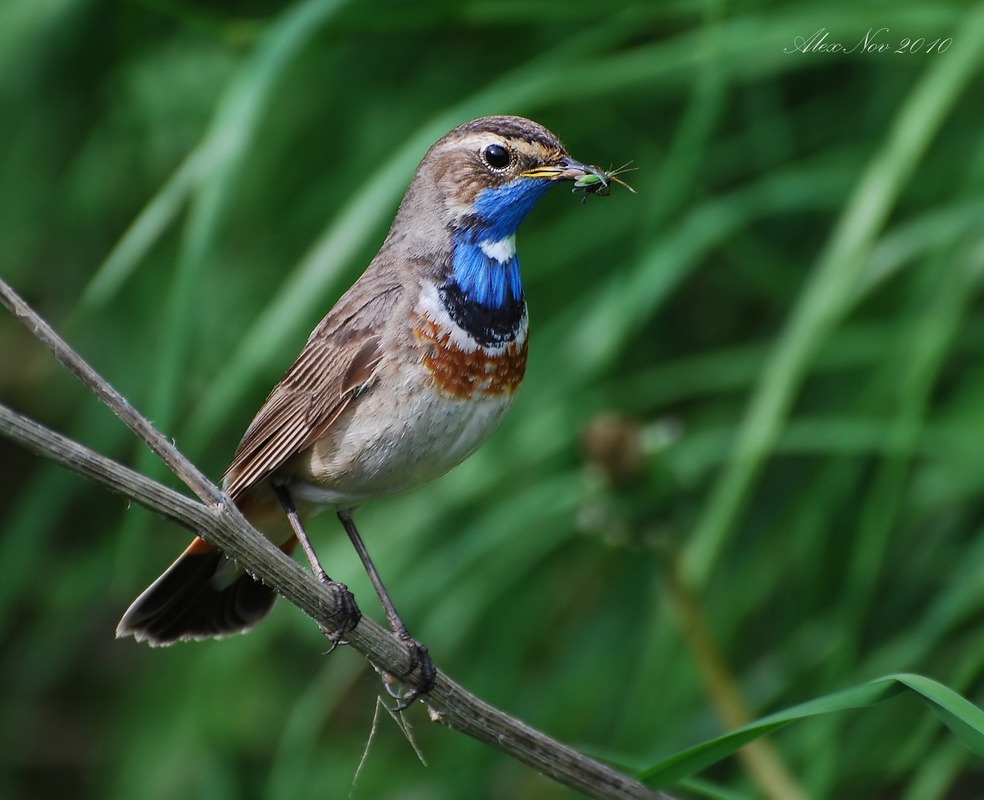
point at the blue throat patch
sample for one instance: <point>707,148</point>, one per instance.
<point>482,279</point>
<point>483,293</point>
<point>498,214</point>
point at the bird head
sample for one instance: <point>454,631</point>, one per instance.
<point>458,221</point>
<point>492,171</point>
<point>482,179</point>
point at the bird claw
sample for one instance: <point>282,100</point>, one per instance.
<point>348,614</point>
<point>419,659</point>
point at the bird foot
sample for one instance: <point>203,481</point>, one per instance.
<point>347,615</point>
<point>419,660</point>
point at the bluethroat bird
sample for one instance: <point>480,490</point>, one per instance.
<point>413,369</point>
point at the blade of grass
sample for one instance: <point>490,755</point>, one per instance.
<point>236,123</point>
<point>920,356</point>
<point>828,291</point>
<point>27,26</point>
<point>960,715</point>
<point>145,231</point>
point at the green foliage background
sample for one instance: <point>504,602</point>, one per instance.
<point>784,327</point>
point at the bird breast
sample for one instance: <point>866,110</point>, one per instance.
<point>449,394</point>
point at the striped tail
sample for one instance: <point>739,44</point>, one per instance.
<point>201,595</point>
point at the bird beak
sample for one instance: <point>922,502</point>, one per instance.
<point>567,169</point>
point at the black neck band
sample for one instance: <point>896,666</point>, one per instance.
<point>487,326</point>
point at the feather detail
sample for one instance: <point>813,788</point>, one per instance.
<point>335,366</point>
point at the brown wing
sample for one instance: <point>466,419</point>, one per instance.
<point>339,359</point>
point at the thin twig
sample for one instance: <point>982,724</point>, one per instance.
<point>220,523</point>
<point>118,404</point>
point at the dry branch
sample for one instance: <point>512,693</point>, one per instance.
<point>218,521</point>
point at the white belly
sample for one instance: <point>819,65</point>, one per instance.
<point>387,446</point>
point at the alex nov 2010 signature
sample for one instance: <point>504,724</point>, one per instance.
<point>876,40</point>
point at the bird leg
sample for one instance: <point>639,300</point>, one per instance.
<point>348,610</point>
<point>418,652</point>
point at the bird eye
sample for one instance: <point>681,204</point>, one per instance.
<point>496,156</point>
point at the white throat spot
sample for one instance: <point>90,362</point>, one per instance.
<point>502,250</point>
